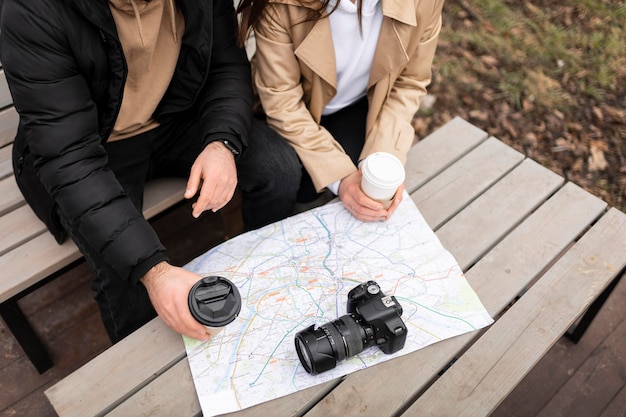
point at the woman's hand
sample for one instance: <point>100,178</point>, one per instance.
<point>360,205</point>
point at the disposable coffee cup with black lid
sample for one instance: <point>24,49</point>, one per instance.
<point>215,302</point>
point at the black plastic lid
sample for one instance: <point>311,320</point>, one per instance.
<point>214,301</point>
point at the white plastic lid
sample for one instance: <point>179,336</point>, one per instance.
<point>383,169</point>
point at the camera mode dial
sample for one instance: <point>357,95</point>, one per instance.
<point>373,289</point>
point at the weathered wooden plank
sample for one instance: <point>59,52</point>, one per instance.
<point>446,194</point>
<point>497,278</point>
<point>164,396</point>
<point>28,264</point>
<point>19,226</point>
<point>174,394</point>
<point>598,366</point>
<point>537,242</point>
<point>438,150</point>
<point>161,194</point>
<point>497,211</point>
<point>34,260</point>
<point>111,378</point>
<point>596,383</point>
<point>5,94</point>
<point>11,196</point>
<point>9,120</point>
<point>493,365</point>
<point>291,405</point>
<point>617,405</point>
<point>8,116</point>
<point>6,165</point>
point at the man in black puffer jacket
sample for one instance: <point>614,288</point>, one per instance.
<point>112,93</point>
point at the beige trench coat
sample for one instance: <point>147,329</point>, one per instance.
<point>295,77</point>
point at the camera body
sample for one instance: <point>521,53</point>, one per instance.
<point>373,319</point>
<point>380,312</point>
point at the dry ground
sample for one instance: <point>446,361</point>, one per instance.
<point>546,77</point>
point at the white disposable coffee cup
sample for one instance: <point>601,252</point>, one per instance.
<point>215,302</point>
<point>382,174</point>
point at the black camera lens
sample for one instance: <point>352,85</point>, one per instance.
<point>320,349</point>
<point>303,353</point>
<point>373,319</point>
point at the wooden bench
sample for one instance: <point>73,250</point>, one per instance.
<point>29,255</point>
<point>538,251</point>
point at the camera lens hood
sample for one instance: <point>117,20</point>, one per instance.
<point>314,350</point>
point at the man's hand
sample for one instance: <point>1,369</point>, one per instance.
<point>168,287</point>
<point>360,205</point>
<point>214,170</point>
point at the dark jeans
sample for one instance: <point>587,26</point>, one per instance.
<point>268,178</point>
<point>347,126</point>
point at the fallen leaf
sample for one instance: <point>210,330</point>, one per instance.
<point>596,160</point>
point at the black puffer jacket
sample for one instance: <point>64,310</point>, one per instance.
<point>66,72</point>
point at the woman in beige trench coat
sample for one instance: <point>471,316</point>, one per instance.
<point>307,52</point>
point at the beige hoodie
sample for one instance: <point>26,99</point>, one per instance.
<point>149,32</point>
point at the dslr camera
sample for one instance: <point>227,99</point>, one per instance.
<point>373,319</point>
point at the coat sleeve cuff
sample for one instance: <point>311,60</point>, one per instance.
<point>143,267</point>
<point>230,141</point>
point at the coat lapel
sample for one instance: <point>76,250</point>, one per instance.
<point>317,52</point>
<point>390,51</point>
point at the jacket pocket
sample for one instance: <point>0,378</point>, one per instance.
<point>405,137</point>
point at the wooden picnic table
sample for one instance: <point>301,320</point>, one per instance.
<point>538,251</point>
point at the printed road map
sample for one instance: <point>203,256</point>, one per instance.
<point>297,272</point>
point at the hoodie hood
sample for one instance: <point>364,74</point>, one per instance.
<point>137,7</point>
<point>148,32</point>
